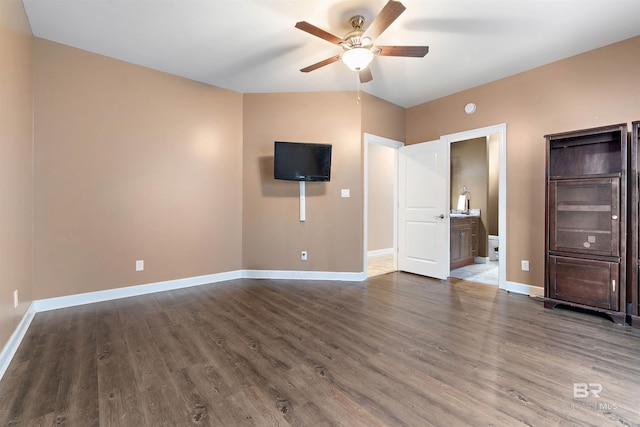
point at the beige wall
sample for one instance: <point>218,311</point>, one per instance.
<point>593,89</point>
<point>469,168</point>
<point>382,118</point>
<point>273,235</point>
<point>131,164</point>
<point>16,159</point>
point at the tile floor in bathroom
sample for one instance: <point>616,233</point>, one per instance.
<point>482,273</point>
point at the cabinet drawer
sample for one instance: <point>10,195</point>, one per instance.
<point>582,281</point>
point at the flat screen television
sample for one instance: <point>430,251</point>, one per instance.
<point>301,161</point>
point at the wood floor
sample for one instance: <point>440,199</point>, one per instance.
<point>394,350</point>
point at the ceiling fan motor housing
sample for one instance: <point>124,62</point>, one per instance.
<point>354,38</point>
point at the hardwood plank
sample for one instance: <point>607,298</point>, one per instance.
<point>257,409</point>
<point>201,410</point>
<point>158,393</point>
<point>77,397</point>
<point>37,392</point>
<point>118,392</point>
<point>9,387</point>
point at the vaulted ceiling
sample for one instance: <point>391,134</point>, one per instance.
<point>252,46</point>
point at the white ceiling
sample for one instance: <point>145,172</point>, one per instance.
<point>251,46</point>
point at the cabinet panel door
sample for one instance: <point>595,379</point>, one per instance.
<point>455,244</point>
<point>460,241</point>
<point>584,216</point>
<point>588,282</point>
<point>465,242</point>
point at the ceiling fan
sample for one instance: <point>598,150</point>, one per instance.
<point>357,44</point>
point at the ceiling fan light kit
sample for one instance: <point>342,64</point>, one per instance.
<point>357,44</point>
<point>357,58</point>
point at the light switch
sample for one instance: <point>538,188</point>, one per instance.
<point>345,192</point>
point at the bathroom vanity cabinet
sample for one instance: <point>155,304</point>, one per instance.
<point>464,240</point>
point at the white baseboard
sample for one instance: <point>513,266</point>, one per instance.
<point>481,260</point>
<point>131,291</point>
<point>304,275</point>
<point>521,288</point>
<point>12,345</point>
<point>380,252</point>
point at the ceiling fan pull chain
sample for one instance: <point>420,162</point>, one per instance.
<point>358,88</point>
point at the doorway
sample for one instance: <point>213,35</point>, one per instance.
<point>475,173</point>
<point>496,135</point>
<point>501,131</point>
<point>380,201</point>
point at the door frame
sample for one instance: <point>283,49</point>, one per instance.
<point>379,140</point>
<point>501,130</point>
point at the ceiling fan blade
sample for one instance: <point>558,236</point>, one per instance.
<point>313,30</point>
<point>365,75</point>
<point>387,15</point>
<point>321,64</point>
<point>412,51</point>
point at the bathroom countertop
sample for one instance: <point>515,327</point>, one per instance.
<point>454,215</point>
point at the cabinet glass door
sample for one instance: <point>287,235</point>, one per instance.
<point>584,216</point>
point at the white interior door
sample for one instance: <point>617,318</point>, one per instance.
<point>423,214</point>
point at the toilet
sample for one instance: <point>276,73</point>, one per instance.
<point>494,253</point>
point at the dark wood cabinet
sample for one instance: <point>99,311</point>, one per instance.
<point>586,220</point>
<point>464,241</point>
<point>633,241</point>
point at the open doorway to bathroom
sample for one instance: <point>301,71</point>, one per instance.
<point>475,168</point>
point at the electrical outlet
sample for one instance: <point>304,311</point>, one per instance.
<point>524,264</point>
<point>140,265</point>
<point>303,255</point>
<point>15,299</point>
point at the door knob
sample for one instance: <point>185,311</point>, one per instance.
<point>441,216</point>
